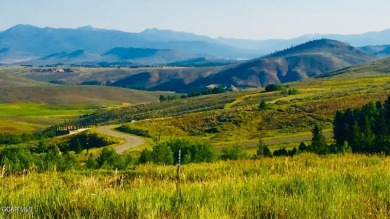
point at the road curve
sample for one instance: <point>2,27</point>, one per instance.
<point>131,141</point>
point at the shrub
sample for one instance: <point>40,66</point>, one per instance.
<point>88,140</point>
<point>134,131</point>
<point>145,157</point>
<point>273,87</point>
<point>263,105</point>
<point>162,154</point>
<point>236,152</point>
<point>17,159</point>
<point>91,163</point>
<point>281,152</point>
<point>263,150</point>
<point>191,152</point>
<point>109,159</point>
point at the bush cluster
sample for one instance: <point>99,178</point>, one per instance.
<point>168,152</point>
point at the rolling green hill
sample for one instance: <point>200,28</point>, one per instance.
<point>234,117</point>
<point>28,105</point>
<point>18,84</point>
<point>62,94</point>
<point>303,61</point>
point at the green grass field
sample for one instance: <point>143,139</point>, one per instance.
<point>29,117</point>
<point>305,186</point>
<point>302,186</point>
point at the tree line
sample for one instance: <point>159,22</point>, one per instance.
<point>362,130</point>
<point>365,129</point>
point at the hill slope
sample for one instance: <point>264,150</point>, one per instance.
<point>381,66</point>
<point>382,50</point>
<point>14,88</point>
<point>306,60</point>
<point>174,79</point>
<point>75,95</point>
<point>235,118</point>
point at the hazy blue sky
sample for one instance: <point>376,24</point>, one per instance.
<point>251,19</point>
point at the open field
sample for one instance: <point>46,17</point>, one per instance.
<point>304,186</point>
<point>28,105</point>
<point>26,117</point>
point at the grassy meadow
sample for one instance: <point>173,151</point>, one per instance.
<point>287,121</point>
<point>303,186</point>
<point>300,186</point>
<point>29,117</point>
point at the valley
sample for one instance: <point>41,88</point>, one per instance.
<point>221,138</point>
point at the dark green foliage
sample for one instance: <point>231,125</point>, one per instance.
<point>168,97</point>
<point>91,163</point>
<point>263,150</point>
<point>215,90</point>
<point>273,87</point>
<point>145,157</point>
<point>236,152</point>
<point>134,131</point>
<point>263,105</point>
<point>290,91</point>
<point>69,162</point>
<point>338,128</point>
<point>87,140</point>
<point>53,159</point>
<point>319,144</point>
<point>345,148</point>
<point>162,98</point>
<point>281,152</point>
<point>79,147</point>
<point>364,130</point>
<point>191,152</point>
<point>42,147</point>
<point>294,151</point>
<point>162,154</point>
<point>109,159</point>
<point>302,147</point>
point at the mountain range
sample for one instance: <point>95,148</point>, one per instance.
<point>306,60</point>
<point>26,44</point>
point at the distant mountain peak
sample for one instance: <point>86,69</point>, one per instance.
<point>317,44</point>
<point>20,27</point>
<point>87,27</point>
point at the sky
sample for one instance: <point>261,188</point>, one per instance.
<point>245,19</point>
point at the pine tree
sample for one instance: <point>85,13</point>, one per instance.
<point>319,144</point>
<point>79,147</point>
<point>338,128</point>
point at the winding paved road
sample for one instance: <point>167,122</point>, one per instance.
<point>131,141</point>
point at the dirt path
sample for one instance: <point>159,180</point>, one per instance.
<point>131,141</point>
